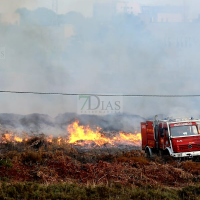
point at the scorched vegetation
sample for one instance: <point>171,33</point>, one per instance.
<point>38,169</point>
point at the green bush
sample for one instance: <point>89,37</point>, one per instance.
<point>190,192</point>
<point>6,162</point>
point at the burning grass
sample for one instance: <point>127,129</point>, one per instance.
<point>77,135</point>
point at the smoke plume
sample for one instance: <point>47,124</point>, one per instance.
<point>76,52</point>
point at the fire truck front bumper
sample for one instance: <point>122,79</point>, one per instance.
<point>185,154</point>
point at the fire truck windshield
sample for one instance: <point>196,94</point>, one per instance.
<point>180,131</point>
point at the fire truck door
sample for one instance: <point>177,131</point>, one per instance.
<point>161,138</point>
<point>166,138</point>
<point>198,125</point>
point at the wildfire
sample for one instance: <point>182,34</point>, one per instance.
<point>59,140</point>
<point>18,139</point>
<point>129,138</point>
<point>84,134</point>
<point>78,133</point>
<point>50,138</point>
<point>10,137</point>
<point>81,135</point>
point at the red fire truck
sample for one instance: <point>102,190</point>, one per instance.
<point>179,138</point>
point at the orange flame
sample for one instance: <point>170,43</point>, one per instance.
<point>59,140</point>
<point>129,138</point>
<point>18,139</point>
<point>50,139</point>
<point>10,137</point>
<point>83,135</point>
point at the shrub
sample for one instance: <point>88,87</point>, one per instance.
<point>31,156</point>
<point>192,167</point>
<point>6,162</point>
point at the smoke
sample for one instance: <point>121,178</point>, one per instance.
<point>119,54</point>
<point>10,6</point>
<point>39,123</point>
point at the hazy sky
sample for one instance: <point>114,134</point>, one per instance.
<point>86,6</point>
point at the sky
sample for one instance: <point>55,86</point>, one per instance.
<point>86,6</point>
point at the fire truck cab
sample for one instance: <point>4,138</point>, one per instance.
<point>178,137</point>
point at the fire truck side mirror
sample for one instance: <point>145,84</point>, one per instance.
<point>161,132</point>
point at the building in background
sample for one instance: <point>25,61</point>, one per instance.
<point>105,11</point>
<point>148,14</point>
<point>159,14</point>
<point>128,7</point>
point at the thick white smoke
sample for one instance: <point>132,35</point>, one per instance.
<point>113,56</point>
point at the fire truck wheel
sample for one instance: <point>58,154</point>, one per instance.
<point>166,156</point>
<point>160,153</point>
<point>147,153</point>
